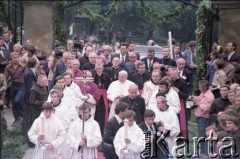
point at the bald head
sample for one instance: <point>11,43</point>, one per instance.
<point>133,91</point>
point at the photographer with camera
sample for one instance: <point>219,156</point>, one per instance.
<point>55,60</point>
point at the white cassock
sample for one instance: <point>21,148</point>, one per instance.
<point>172,100</point>
<point>54,134</point>
<point>76,90</point>
<point>94,138</point>
<point>116,89</point>
<point>171,122</point>
<point>149,93</point>
<point>137,145</point>
<point>67,117</point>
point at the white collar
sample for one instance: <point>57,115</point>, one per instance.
<point>118,119</point>
<point>231,53</point>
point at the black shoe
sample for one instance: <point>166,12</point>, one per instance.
<point>15,121</point>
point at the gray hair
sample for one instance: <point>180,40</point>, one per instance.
<point>41,77</point>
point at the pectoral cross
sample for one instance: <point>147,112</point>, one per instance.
<point>85,79</point>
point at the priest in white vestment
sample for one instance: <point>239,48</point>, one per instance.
<point>84,142</point>
<point>168,117</point>
<point>117,90</point>
<point>129,141</point>
<point>47,133</point>
<point>150,89</point>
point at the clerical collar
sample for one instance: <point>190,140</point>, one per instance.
<point>57,104</point>
<point>119,120</point>
<point>164,109</point>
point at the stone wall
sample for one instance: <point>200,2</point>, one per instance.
<point>38,23</point>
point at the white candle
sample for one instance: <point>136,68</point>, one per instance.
<point>42,130</point>
<point>170,43</point>
<point>126,128</point>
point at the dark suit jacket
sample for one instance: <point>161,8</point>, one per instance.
<point>29,79</point>
<point>235,58</point>
<point>155,59</point>
<point>88,66</point>
<point>140,79</point>
<point>60,69</point>
<point>187,76</point>
<point>180,55</point>
<point>10,46</point>
<point>126,58</point>
<point>6,54</point>
<point>139,107</point>
<point>130,68</point>
<point>111,129</point>
<point>183,88</point>
<point>84,59</point>
<point>114,73</point>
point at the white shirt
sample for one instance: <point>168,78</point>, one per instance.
<point>230,55</point>
<point>118,119</point>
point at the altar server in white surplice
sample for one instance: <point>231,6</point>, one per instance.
<point>129,141</point>
<point>168,117</point>
<point>47,133</point>
<point>84,142</point>
<point>117,90</point>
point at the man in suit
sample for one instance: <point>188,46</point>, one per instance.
<point>130,48</point>
<point>29,78</point>
<point>61,66</point>
<point>150,60</point>
<point>124,56</point>
<point>234,59</point>
<point>130,66</point>
<point>159,151</point>
<point>185,74</point>
<point>4,56</point>
<point>112,127</point>
<point>177,52</point>
<point>7,44</point>
<point>135,102</point>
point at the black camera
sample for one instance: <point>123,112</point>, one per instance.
<point>58,53</point>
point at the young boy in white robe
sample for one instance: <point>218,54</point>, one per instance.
<point>129,141</point>
<point>168,117</point>
<point>84,140</point>
<point>47,133</point>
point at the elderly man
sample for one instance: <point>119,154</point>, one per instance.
<point>130,66</point>
<point>91,90</point>
<point>92,60</point>
<point>204,102</point>
<point>135,102</point>
<point>117,90</point>
<point>115,68</point>
<point>150,88</point>
<point>75,67</point>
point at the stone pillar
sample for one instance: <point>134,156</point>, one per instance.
<point>38,23</point>
<point>229,26</point>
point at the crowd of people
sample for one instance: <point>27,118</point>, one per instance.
<point>74,104</point>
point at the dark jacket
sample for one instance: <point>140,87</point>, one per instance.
<point>139,79</point>
<point>38,95</point>
<point>111,129</point>
<point>145,60</point>
<point>137,105</point>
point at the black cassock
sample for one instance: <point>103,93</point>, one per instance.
<point>102,109</point>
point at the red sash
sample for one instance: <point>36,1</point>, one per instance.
<point>183,120</point>
<point>103,93</point>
